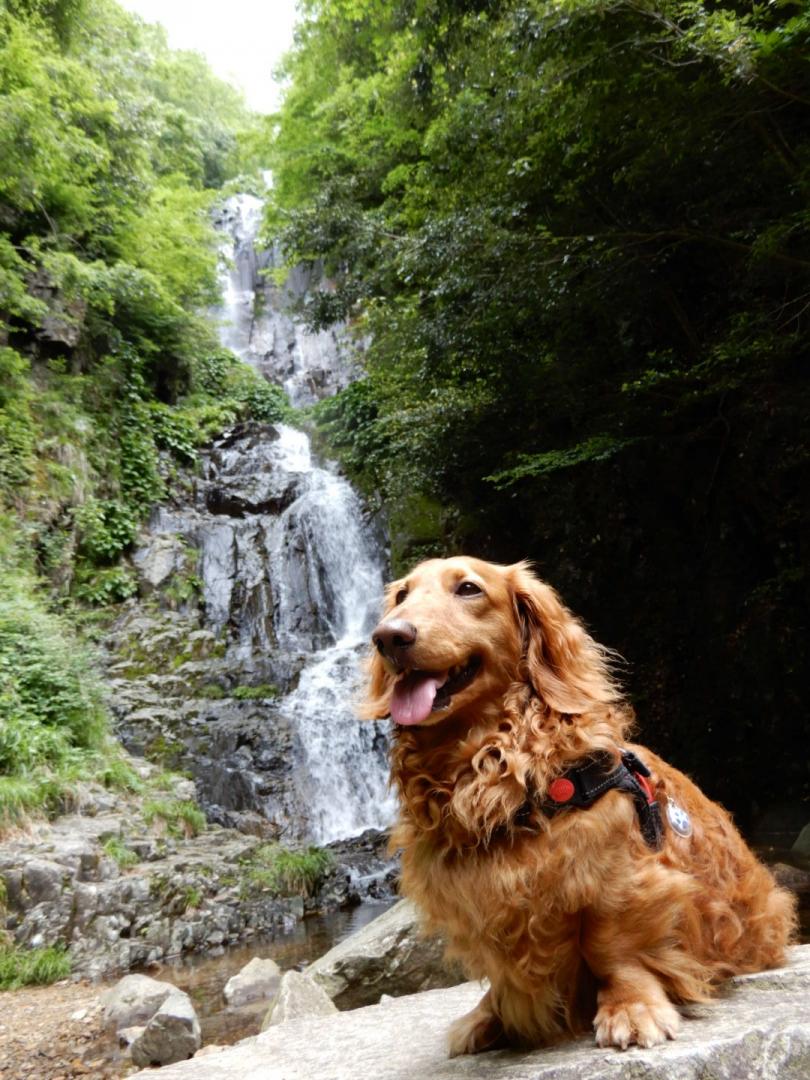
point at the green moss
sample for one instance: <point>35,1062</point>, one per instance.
<point>254,693</point>
<point>164,751</point>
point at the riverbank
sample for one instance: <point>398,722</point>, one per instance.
<point>56,1032</point>
<point>133,880</point>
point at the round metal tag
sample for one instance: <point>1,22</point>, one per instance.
<point>678,819</point>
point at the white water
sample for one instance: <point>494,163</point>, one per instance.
<point>324,563</point>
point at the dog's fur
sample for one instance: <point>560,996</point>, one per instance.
<point>572,919</point>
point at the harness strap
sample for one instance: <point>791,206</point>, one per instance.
<point>582,785</point>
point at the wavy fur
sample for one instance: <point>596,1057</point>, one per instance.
<point>573,920</point>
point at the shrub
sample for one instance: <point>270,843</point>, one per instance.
<point>116,849</point>
<point>50,701</point>
<point>178,817</point>
<point>289,873</point>
<point>32,967</point>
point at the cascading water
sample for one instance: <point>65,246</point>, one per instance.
<point>309,566</point>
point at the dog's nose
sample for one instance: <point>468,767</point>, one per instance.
<point>394,638</point>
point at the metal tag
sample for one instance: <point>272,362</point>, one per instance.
<point>678,819</point>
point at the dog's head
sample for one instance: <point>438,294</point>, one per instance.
<point>457,633</point>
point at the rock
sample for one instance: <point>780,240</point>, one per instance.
<point>158,560</point>
<point>133,1000</point>
<point>173,1033</point>
<point>212,1048</point>
<point>128,1035</point>
<point>257,980</point>
<point>42,880</point>
<point>759,1026</point>
<point>801,847</point>
<point>388,956</point>
<point>298,996</point>
<point>792,877</point>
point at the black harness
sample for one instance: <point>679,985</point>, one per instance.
<point>582,785</point>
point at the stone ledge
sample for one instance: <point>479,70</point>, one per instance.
<point>757,1029</point>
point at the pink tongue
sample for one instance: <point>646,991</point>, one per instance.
<point>413,697</point>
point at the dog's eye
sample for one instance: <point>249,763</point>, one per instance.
<point>400,597</point>
<point>469,588</point>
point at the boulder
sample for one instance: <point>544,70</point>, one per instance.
<point>759,1026</point>
<point>128,1035</point>
<point>297,996</point>
<point>133,1000</point>
<point>257,980</point>
<point>801,847</point>
<point>390,955</point>
<point>173,1033</point>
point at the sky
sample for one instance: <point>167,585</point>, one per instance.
<point>242,40</point>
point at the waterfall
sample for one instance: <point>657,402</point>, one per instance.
<point>308,565</point>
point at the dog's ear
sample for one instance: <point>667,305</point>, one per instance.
<point>563,663</point>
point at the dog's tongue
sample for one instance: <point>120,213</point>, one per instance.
<point>412,701</point>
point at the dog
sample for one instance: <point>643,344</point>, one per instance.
<point>589,882</point>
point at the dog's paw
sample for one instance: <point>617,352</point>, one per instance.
<point>637,1022</point>
<point>476,1031</point>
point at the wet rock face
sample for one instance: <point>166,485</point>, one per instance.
<point>244,474</point>
<point>256,316</point>
<point>238,664</point>
<point>259,579</point>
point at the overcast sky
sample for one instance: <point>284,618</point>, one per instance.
<point>243,40</point>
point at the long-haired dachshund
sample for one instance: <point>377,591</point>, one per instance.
<point>588,881</point>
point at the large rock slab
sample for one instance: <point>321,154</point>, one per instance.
<point>759,1027</point>
<point>388,956</point>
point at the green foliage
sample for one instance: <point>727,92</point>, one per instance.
<point>535,204</point>
<point>104,587</point>
<point>115,848</point>
<point>219,375</point>
<point>192,898</point>
<point>105,528</point>
<point>22,797</point>
<point>289,873</point>
<point>178,817</point>
<point>49,699</point>
<point>598,448</point>
<point>32,967</point>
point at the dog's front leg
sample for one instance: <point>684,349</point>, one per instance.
<point>477,1030</point>
<point>634,1008</point>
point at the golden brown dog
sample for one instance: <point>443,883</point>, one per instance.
<point>499,696</point>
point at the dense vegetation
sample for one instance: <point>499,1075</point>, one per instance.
<point>574,235</point>
<point>113,151</point>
